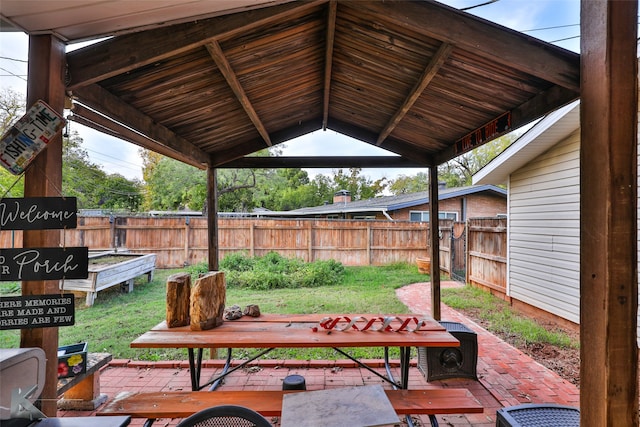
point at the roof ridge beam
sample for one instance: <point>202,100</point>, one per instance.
<point>322,162</point>
<point>119,111</point>
<point>124,53</point>
<point>328,62</point>
<point>232,80</point>
<point>429,73</point>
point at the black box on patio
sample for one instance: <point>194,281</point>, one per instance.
<point>437,363</point>
<point>72,360</point>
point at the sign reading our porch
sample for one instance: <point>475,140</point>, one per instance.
<point>30,135</point>
<point>44,263</point>
<point>37,311</point>
<point>38,213</point>
<point>481,135</point>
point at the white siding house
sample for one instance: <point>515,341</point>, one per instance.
<point>542,173</point>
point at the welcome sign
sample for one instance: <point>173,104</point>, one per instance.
<point>38,213</point>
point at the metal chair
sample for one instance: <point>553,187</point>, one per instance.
<point>225,416</point>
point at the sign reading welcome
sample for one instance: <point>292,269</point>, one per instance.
<point>36,311</point>
<point>38,213</point>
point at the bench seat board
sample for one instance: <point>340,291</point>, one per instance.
<point>181,404</point>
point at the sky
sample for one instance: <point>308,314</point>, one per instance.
<point>554,21</point>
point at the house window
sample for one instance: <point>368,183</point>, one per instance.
<point>423,216</point>
<point>419,216</point>
<point>365,217</point>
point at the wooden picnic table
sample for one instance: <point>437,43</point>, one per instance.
<point>270,331</point>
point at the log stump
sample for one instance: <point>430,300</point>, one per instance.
<point>178,299</point>
<point>208,296</point>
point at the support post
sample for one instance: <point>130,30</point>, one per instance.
<point>43,178</point>
<point>212,218</point>
<point>434,225</point>
<point>608,214</point>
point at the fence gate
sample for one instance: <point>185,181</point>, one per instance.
<point>459,252</point>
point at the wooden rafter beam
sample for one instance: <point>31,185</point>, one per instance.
<point>125,53</point>
<point>504,46</point>
<point>232,80</point>
<point>328,62</point>
<point>323,162</point>
<point>429,73</point>
<point>117,110</point>
<point>97,121</point>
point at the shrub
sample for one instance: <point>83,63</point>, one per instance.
<point>273,271</point>
<point>237,261</point>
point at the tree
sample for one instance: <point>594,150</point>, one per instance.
<point>92,186</point>
<point>409,184</point>
<point>458,172</point>
<point>360,187</point>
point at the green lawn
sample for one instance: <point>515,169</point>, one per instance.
<point>117,319</point>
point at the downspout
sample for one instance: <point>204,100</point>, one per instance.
<point>386,215</point>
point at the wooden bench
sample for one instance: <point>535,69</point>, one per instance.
<point>181,404</point>
<point>82,392</point>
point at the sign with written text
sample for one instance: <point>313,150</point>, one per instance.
<point>44,263</point>
<point>36,311</point>
<point>38,213</point>
<point>29,136</point>
<point>481,135</point>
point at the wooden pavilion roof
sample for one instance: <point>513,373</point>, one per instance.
<point>419,79</point>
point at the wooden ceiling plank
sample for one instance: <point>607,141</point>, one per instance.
<point>504,46</point>
<point>536,107</point>
<point>225,68</point>
<point>125,53</point>
<point>111,106</point>
<point>429,73</point>
<point>103,124</point>
<point>331,34</point>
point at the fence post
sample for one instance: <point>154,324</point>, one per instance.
<point>186,241</point>
<point>369,242</point>
<point>310,241</point>
<point>252,240</point>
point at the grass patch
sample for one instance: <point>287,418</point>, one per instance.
<point>117,319</point>
<point>499,318</point>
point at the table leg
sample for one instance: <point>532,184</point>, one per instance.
<point>195,368</point>
<point>405,361</point>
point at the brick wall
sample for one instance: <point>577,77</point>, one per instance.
<point>478,206</point>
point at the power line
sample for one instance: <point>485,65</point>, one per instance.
<point>12,74</point>
<point>14,59</point>
<point>550,28</point>
<point>112,157</point>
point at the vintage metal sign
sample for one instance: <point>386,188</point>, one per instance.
<point>30,135</point>
<point>44,263</point>
<point>38,213</point>
<point>37,311</point>
<point>481,135</point>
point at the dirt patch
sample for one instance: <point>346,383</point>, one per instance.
<point>563,361</point>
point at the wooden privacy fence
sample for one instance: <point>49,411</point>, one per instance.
<point>487,253</point>
<point>180,241</point>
